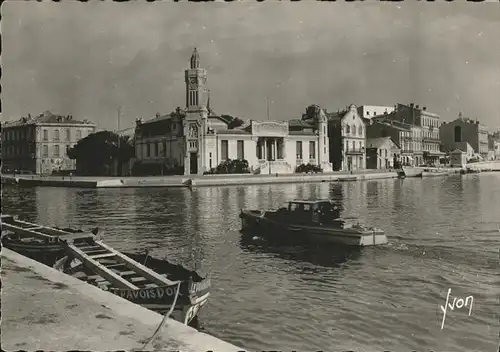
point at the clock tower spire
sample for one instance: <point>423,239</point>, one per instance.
<point>195,122</point>
<point>195,78</point>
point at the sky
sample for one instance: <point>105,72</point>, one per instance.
<point>86,59</point>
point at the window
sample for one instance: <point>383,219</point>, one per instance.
<point>78,135</point>
<point>353,130</point>
<point>360,145</point>
<point>347,129</point>
<point>224,151</point>
<point>312,150</point>
<point>148,150</point>
<point>386,153</point>
<point>56,151</point>
<point>353,145</point>
<point>56,135</point>
<point>164,148</point>
<point>360,130</point>
<point>68,134</point>
<point>45,135</point>
<point>298,148</point>
<point>240,150</point>
<point>157,149</point>
<point>45,151</point>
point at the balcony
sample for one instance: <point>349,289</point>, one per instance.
<point>431,140</point>
<point>354,151</point>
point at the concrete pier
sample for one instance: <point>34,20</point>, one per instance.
<point>43,309</point>
<point>191,181</point>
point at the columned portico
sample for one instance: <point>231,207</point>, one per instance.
<point>270,148</point>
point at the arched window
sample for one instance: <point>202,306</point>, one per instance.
<point>360,130</point>
<point>347,129</point>
<point>353,130</point>
<point>458,134</point>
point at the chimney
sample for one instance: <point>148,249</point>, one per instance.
<point>417,107</point>
<point>425,108</point>
<point>411,105</point>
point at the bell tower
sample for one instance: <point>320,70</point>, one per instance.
<point>195,78</point>
<point>195,122</point>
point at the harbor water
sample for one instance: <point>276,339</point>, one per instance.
<point>444,234</point>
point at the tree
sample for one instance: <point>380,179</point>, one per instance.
<point>234,122</point>
<point>96,153</point>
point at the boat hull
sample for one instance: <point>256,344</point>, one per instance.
<point>411,171</point>
<point>193,293</point>
<point>435,174</point>
<point>255,222</point>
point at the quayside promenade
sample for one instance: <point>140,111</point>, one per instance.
<point>192,181</point>
<point>43,309</point>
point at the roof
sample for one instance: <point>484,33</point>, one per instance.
<point>377,142</point>
<point>46,118</point>
<point>300,123</point>
<point>233,131</point>
<point>400,128</point>
<point>335,116</point>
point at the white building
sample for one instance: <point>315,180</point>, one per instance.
<point>368,111</point>
<point>196,140</point>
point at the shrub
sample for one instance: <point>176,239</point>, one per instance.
<point>236,166</point>
<point>308,168</point>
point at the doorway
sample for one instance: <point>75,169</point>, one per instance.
<point>193,163</point>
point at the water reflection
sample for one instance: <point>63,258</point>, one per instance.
<point>443,233</point>
<point>324,255</point>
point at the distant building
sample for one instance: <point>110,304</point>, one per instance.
<point>369,111</point>
<point>39,144</point>
<point>347,134</point>
<point>465,130</point>
<point>382,153</point>
<point>401,134</point>
<point>196,139</point>
<point>458,158</point>
<point>426,130</point>
<point>496,149</point>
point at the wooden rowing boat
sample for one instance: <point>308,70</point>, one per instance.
<point>150,282</point>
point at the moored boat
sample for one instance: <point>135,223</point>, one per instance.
<point>436,173</point>
<point>152,283</point>
<point>408,171</point>
<point>310,220</point>
<point>193,290</point>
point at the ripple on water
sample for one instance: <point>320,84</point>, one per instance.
<point>443,234</point>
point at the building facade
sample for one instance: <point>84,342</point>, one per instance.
<point>382,153</point>
<point>402,134</point>
<point>425,126</point>
<point>369,111</point>
<point>39,144</point>
<point>347,134</point>
<point>465,130</point>
<point>196,140</point>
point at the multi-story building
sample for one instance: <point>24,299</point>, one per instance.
<point>39,144</point>
<point>382,153</point>
<point>425,131</point>
<point>347,134</point>
<point>369,111</point>
<point>402,134</point>
<point>196,140</point>
<point>464,130</point>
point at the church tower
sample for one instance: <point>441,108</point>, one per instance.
<point>195,122</point>
<point>195,78</point>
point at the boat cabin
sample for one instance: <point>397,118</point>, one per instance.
<point>312,211</point>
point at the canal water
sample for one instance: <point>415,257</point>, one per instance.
<point>444,234</point>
